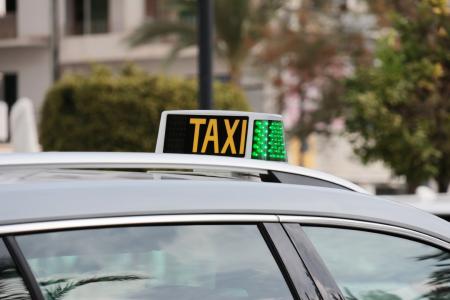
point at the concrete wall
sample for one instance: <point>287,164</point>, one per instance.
<point>32,66</point>
<point>33,18</point>
<point>116,20</point>
<point>133,14</point>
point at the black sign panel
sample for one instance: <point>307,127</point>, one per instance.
<point>206,135</point>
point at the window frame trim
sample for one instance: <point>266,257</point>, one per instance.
<point>284,253</point>
<point>272,243</point>
<point>261,220</point>
<point>313,262</point>
<point>31,226</point>
<point>326,282</point>
<point>101,222</point>
<point>366,226</point>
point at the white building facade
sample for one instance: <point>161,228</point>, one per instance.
<point>25,64</point>
<point>88,32</point>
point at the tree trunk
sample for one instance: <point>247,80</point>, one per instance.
<point>442,185</point>
<point>443,176</point>
<point>411,187</point>
<point>301,116</point>
<point>235,74</point>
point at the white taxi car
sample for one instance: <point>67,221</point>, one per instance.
<point>216,213</point>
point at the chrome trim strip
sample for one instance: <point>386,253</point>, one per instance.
<point>365,225</point>
<point>214,218</point>
<point>133,220</point>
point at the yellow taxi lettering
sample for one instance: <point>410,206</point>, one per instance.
<point>212,135</point>
<point>243,136</point>
<point>229,142</point>
<point>197,122</point>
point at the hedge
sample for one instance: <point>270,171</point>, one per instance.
<point>103,111</point>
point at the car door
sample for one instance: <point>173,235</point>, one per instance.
<point>367,261</point>
<point>171,260</point>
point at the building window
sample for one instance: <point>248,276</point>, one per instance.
<point>8,88</point>
<point>8,7</point>
<point>87,16</point>
<point>8,24</point>
<point>8,91</point>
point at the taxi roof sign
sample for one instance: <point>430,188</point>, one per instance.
<point>222,133</point>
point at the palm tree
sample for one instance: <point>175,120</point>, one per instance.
<point>65,285</point>
<point>239,26</point>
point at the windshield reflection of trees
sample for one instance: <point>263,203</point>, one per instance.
<point>11,285</point>
<point>440,277</point>
<point>438,284</point>
<point>13,288</point>
<point>58,288</point>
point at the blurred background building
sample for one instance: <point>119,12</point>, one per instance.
<point>42,40</point>
<point>88,32</point>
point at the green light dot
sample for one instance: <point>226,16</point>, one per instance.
<point>268,140</point>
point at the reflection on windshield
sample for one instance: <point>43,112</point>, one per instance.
<point>58,288</point>
<point>159,262</point>
<point>373,266</point>
<point>11,284</point>
<point>439,279</point>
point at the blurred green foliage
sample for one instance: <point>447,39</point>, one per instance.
<point>400,107</point>
<point>103,111</point>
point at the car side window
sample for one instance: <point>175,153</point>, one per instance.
<point>12,286</point>
<point>155,262</point>
<point>374,266</point>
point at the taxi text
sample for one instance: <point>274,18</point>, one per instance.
<point>212,136</point>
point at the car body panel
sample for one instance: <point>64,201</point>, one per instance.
<point>64,200</point>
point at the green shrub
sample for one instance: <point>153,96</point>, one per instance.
<point>107,112</point>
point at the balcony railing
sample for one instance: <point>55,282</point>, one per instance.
<point>8,26</point>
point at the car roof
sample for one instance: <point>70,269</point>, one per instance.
<point>28,201</point>
<point>116,160</point>
<point>8,176</point>
<point>437,204</point>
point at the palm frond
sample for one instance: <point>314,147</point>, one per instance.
<point>13,289</point>
<point>438,293</point>
<point>441,261</point>
<point>179,45</point>
<point>349,295</point>
<point>53,281</point>
<point>239,26</point>
<point>150,31</point>
<point>60,291</point>
<point>8,271</point>
<point>189,6</point>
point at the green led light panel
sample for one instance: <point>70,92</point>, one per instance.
<point>268,140</point>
